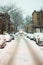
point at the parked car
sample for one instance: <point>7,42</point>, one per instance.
<point>38,37</point>
<point>30,36</point>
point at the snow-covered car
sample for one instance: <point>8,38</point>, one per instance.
<point>2,41</point>
<point>29,35</point>
<point>38,37</point>
<point>7,37</point>
<point>12,36</point>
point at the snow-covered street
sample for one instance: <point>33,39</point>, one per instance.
<point>21,51</point>
<point>23,55</point>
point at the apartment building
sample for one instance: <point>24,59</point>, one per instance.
<point>37,17</point>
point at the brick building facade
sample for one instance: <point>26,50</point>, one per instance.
<point>5,23</point>
<point>37,17</point>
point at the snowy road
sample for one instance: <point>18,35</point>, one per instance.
<point>23,55</point>
<point>21,51</point>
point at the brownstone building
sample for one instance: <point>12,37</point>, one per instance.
<point>29,28</point>
<point>37,17</point>
<point>5,23</point>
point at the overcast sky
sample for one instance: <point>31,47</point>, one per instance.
<point>28,6</point>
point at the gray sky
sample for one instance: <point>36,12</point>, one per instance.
<point>28,6</point>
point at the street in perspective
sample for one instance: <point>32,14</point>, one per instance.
<point>21,32</point>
